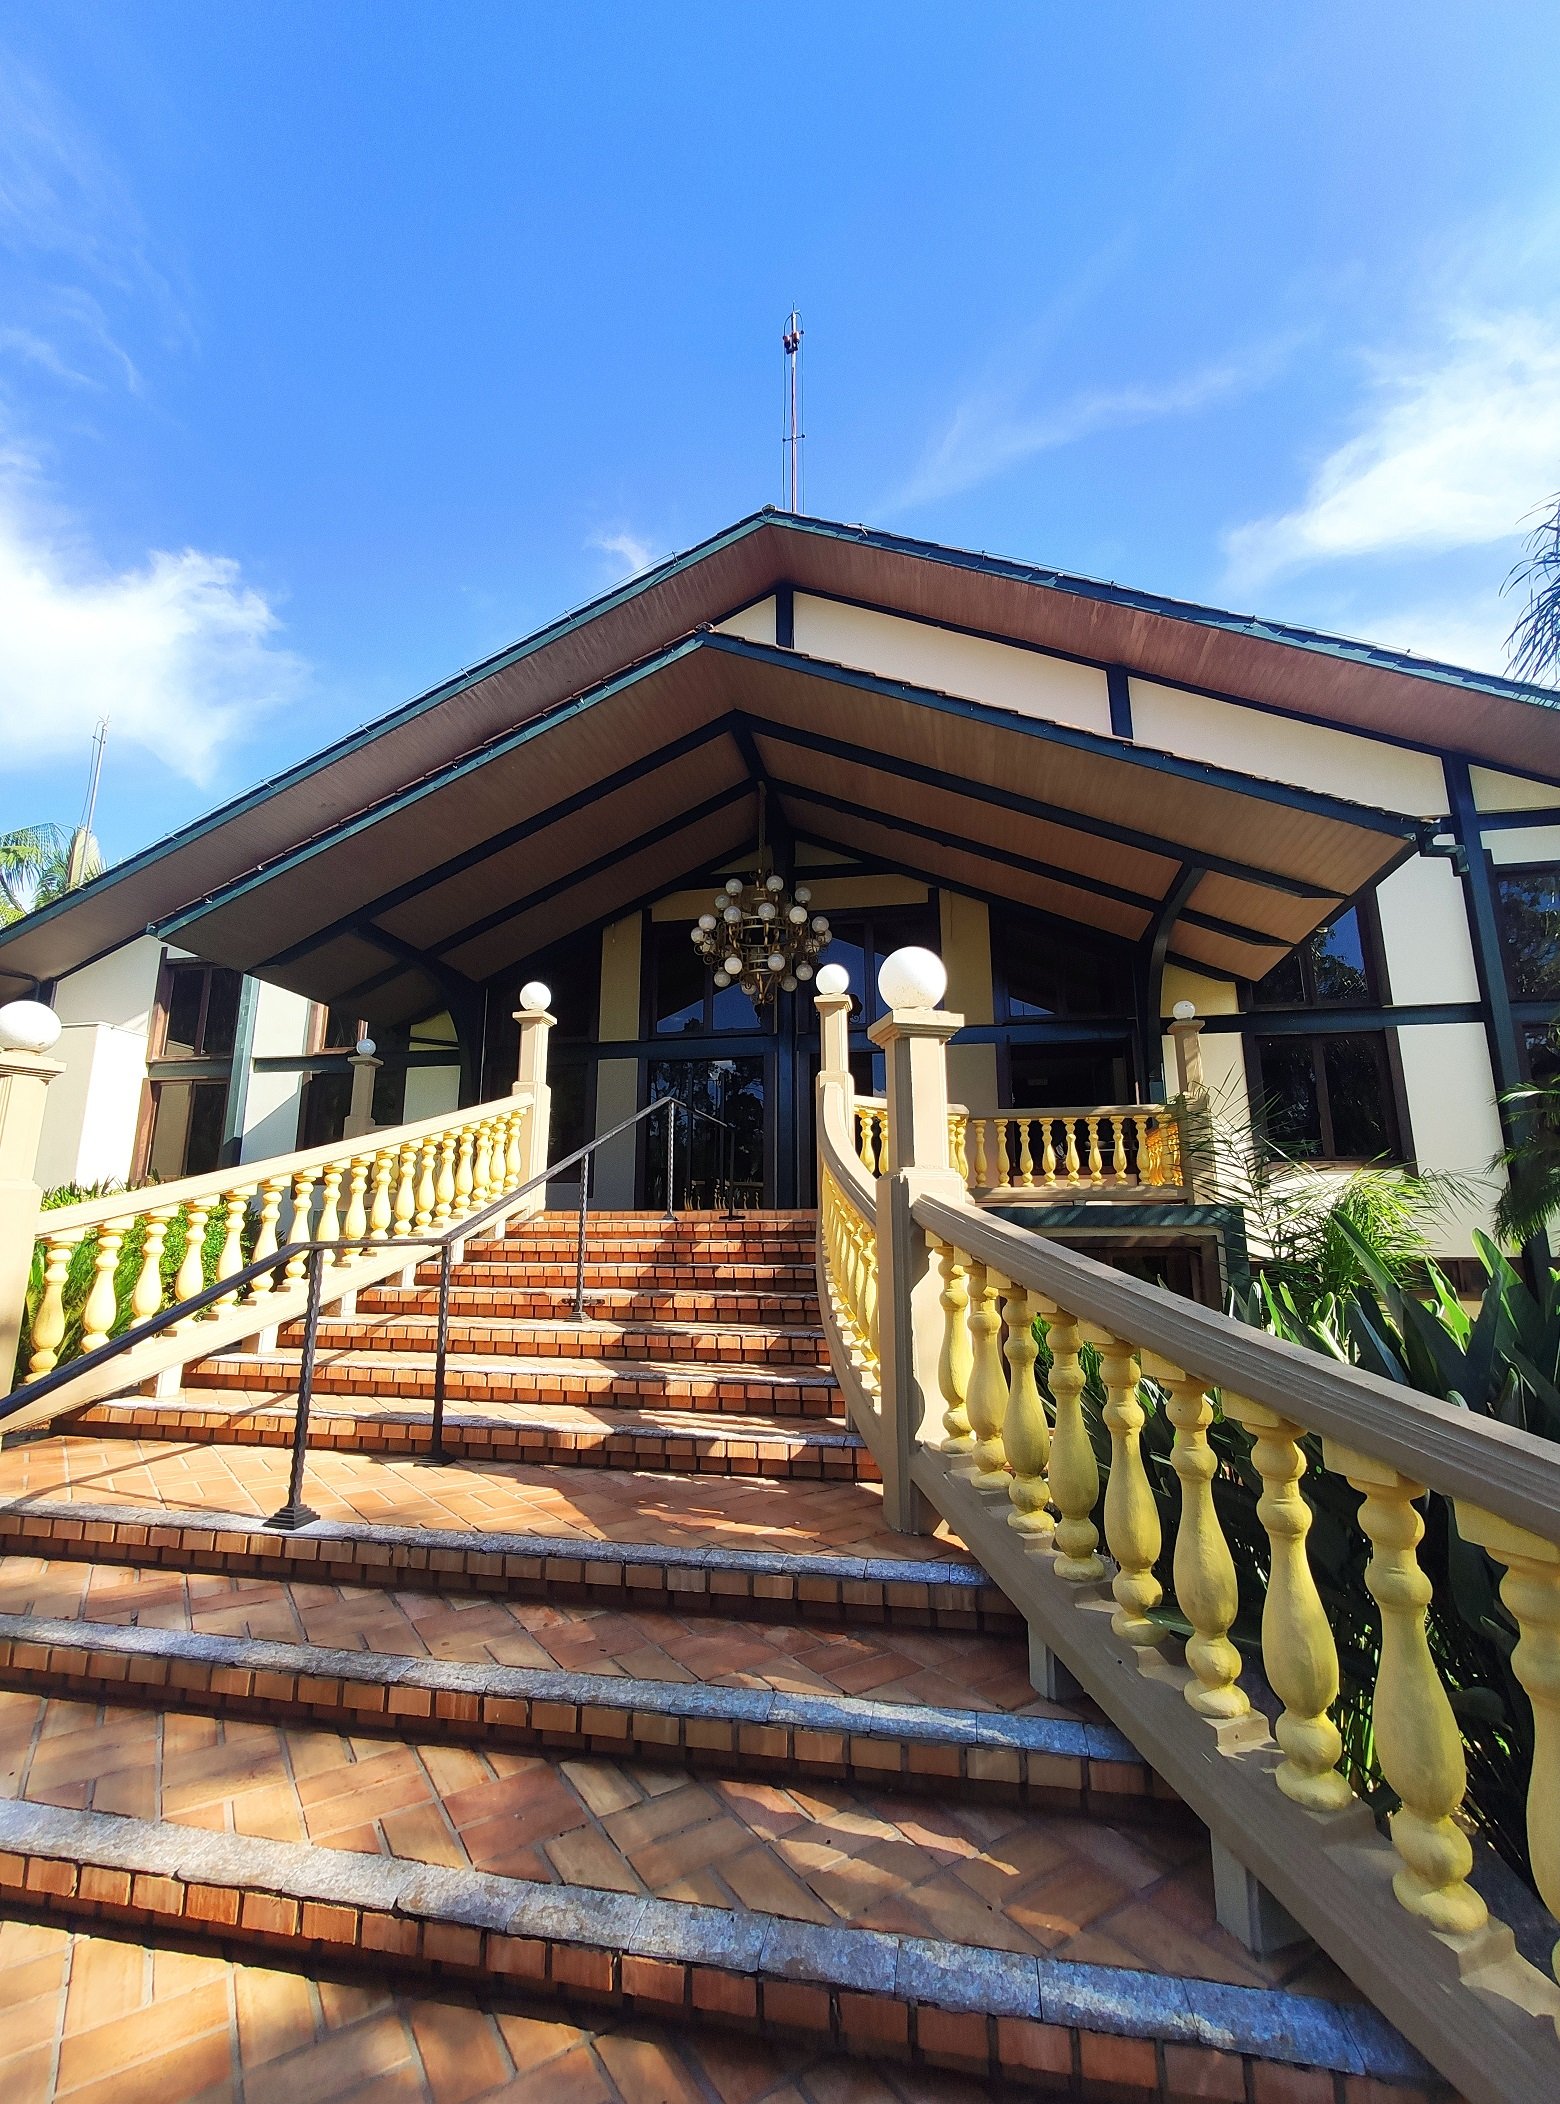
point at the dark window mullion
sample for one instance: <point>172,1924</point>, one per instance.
<point>1323,1099</point>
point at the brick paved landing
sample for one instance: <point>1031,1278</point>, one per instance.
<point>969,1672</point>
<point>993,1877</point>
<point>95,2019</point>
<point>840,1518</point>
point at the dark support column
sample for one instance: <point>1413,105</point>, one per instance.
<point>783,1124</point>
<point>469,1015</point>
<point>785,617</point>
<point>1120,690</point>
<point>1478,882</point>
<point>1148,976</point>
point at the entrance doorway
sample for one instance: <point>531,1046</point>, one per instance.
<point>714,1164</point>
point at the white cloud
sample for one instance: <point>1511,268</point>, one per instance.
<point>990,431</point>
<point>1459,443</point>
<point>178,652</point>
<point>634,553</point>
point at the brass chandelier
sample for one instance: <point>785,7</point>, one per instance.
<point>758,935</point>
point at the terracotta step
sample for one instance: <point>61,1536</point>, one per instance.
<point>816,1552</point>
<point>619,1304</point>
<point>686,1441</point>
<point>674,1385</point>
<point>1057,1762</point>
<point>703,1901</point>
<point>493,1266</point>
<point>481,1333</point>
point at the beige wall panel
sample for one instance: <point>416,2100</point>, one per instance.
<point>619,1008</point>
<point>1493,791</point>
<point>835,894</point>
<point>617,1090</point>
<point>755,624</point>
<point>1054,689</point>
<point>1524,844</point>
<point>1456,1128</point>
<point>1424,931</point>
<point>430,1091</point>
<point>1277,749</point>
<point>972,1078</point>
<point>272,1104</point>
<point>1209,996</point>
<point>90,1111</point>
<point>966,951</point>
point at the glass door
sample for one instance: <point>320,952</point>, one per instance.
<point>715,1164</point>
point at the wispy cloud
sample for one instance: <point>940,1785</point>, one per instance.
<point>1455,445</point>
<point>178,652</point>
<point>634,553</point>
<point>995,428</point>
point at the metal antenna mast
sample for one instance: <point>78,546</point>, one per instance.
<point>791,448</point>
<point>81,840</point>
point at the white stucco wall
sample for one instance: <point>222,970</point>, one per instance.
<point>755,624</point>
<point>1493,791</point>
<point>91,1110</point>
<point>431,1091</point>
<point>1051,688</point>
<point>1524,844</point>
<point>1456,1128</point>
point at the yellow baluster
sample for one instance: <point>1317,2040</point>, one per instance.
<point>1417,1740</point>
<point>1531,1591</point>
<point>147,1297</point>
<point>986,1397</point>
<point>1003,1178</point>
<point>1132,1531</point>
<point>427,1183</point>
<point>1118,1157</point>
<point>482,1166</point>
<point>102,1308</point>
<point>1026,1160</point>
<point>300,1227</point>
<point>266,1236</point>
<point>880,1119</point>
<point>405,1189</point>
<point>864,1140</point>
<point>355,1225</point>
<point>1074,1472</point>
<point>514,1155</point>
<point>48,1330</point>
<point>1205,1586</point>
<point>1070,1127</point>
<point>192,1267</point>
<point>381,1214</point>
<point>980,1154</point>
<point>1026,1435</point>
<point>465,1182</point>
<point>1298,1653</point>
<point>1096,1160</point>
<point>232,1255</point>
<point>1047,1151</point>
<point>329,1229</point>
<point>953,1361</point>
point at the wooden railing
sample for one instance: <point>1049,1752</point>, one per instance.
<point>1111,1146</point>
<point>993,1345</point>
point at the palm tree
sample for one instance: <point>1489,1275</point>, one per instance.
<point>35,867</point>
<point>1534,643</point>
<point>1532,1163</point>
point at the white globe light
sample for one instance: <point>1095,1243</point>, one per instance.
<point>833,979</point>
<point>535,997</point>
<point>802,894</point>
<point>732,916</point>
<point>768,910</point>
<point>365,1046</point>
<point>722,979</point>
<point>820,925</point>
<point>805,971</point>
<point>733,966</point>
<point>734,887</point>
<point>1183,1011</point>
<point>912,978</point>
<point>797,916</point>
<point>774,883</point>
<point>28,1026</point>
<point>776,962</point>
<point>706,922</point>
<point>788,983</point>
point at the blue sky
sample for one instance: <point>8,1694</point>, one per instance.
<point>341,345</point>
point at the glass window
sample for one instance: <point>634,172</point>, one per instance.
<point>1330,969</point>
<point>1048,971</point>
<point>186,998</point>
<point>712,1156</point>
<point>683,994</point>
<point>861,941</point>
<point>186,1128</point>
<point>201,1012</point>
<point>1328,1097</point>
<point>1530,926</point>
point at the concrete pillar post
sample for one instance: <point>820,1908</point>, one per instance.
<point>360,1117</point>
<point>531,1076</point>
<point>27,1032</point>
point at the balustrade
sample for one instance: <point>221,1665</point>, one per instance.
<point>1112,1147</point>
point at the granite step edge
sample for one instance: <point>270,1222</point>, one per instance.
<point>643,1951</point>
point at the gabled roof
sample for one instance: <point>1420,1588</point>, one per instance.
<point>387,808</point>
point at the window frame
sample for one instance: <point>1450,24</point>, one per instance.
<point>1372,952</point>
<point>1500,872</point>
<point>1398,1153</point>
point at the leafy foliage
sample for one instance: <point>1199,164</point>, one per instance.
<point>1534,643</point>
<point>1531,1163</point>
<point>35,867</point>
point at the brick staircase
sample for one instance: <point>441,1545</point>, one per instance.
<point>562,1768</point>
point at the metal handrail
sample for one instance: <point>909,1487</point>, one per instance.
<point>294,1513</point>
